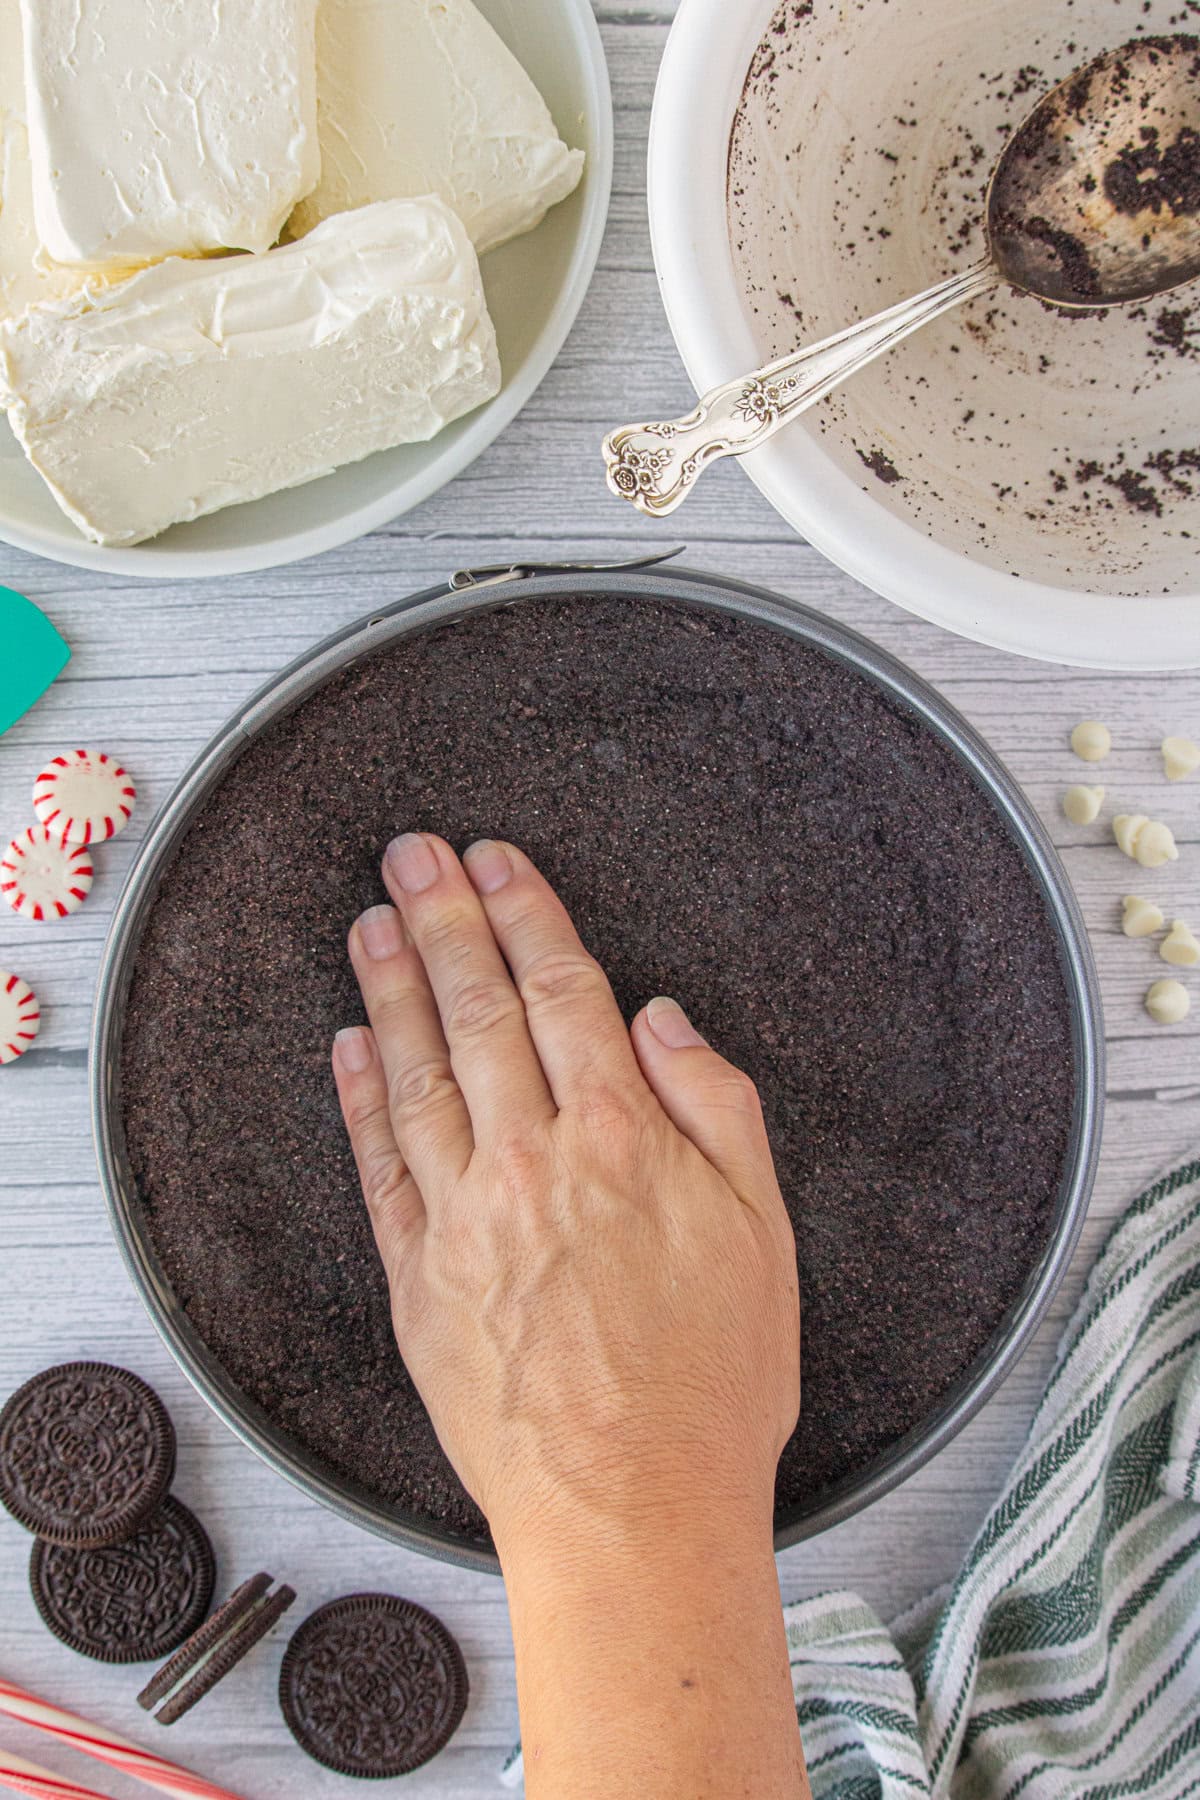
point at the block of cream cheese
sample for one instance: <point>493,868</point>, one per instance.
<point>200,383</point>
<point>168,126</point>
<point>26,274</point>
<point>422,97</point>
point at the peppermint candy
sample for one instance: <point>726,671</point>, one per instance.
<point>86,796</point>
<point>43,878</point>
<point>19,1016</point>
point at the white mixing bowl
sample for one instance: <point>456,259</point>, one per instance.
<point>535,287</point>
<point>991,473</point>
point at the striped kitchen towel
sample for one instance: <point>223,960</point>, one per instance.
<point>1062,1663</point>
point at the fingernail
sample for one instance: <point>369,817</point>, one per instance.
<point>382,932</point>
<point>671,1025</point>
<point>352,1048</point>
<point>412,862</point>
<point>488,865</point>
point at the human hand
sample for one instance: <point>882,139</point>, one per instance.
<point>593,1276</point>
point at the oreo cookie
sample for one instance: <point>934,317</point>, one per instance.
<point>128,1602</point>
<point>373,1686</point>
<point>87,1452</point>
<point>216,1648</point>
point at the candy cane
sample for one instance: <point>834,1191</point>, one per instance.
<point>30,1778</point>
<point>105,1746</point>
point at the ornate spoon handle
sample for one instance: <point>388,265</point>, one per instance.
<point>656,466</point>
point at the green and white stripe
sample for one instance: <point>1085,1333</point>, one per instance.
<point>1064,1661</point>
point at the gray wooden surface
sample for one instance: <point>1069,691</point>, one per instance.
<point>156,669</point>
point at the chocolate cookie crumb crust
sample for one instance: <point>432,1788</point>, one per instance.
<point>732,817</point>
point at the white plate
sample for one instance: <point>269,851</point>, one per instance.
<point>535,287</point>
<point>872,60</point>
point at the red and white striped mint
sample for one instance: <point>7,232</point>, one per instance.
<point>19,1016</point>
<point>85,795</point>
<point>43,878</point>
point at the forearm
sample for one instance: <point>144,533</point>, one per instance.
<point>594,1285</point>
<point>652,1664</point>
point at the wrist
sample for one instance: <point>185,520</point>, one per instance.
<point>651,1655</point>
<point>561,1549</point>
<point>634,1518</point>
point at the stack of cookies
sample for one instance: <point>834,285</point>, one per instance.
<point>120,1570</point>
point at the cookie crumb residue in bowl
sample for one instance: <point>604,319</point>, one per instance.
<point>1062,447</point>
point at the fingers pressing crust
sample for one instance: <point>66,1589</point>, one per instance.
<point>393,1198</point>
<point>574,1020</point>
<point>709,1100</point>
<point>482,1018</point>
<point>429,1118</point>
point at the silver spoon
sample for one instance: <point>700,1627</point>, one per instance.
<point>1094,202</point>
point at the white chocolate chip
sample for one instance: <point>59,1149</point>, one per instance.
<point>1180,756</point>
<point>1142,918</point>
<point>1180,947</point>
<point>1091,741</point>
<point>1082,804</point>
<point>1168,1002</point>
<point>1148,841</point>
<point>1155,845</point>
<point>1125,829</point>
